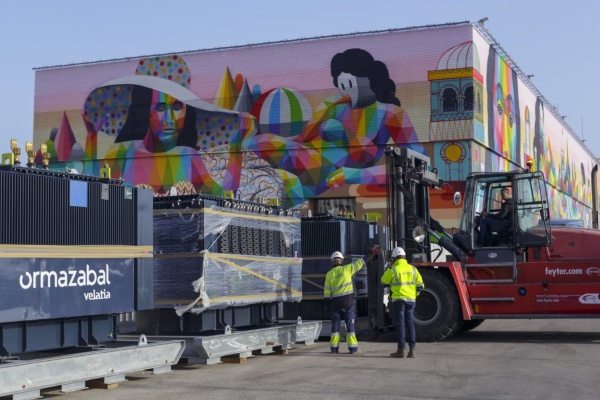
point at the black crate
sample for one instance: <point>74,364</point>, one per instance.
<point>321,236</point>
<point>50,208</point>
<point>72,258</point>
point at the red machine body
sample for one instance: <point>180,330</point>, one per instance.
<point>532,268</point>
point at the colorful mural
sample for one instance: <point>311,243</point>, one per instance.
<point>343,142</point>
<point>300,120</point>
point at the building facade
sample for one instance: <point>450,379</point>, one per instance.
<point>307,121</point>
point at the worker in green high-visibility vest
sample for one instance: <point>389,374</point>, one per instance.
<point>339,292</point>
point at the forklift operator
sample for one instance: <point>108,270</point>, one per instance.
<point>500,219</point>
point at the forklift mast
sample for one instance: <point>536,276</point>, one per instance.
<point>409,178</point>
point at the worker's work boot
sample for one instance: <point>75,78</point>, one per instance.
<point>398,354</point>
<point>411,353</point>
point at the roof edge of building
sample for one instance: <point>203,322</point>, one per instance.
<point>373,32</point>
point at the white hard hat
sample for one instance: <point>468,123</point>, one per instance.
<point>337,254</point>
<point>398,251</point>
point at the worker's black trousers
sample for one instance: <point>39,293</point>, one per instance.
<point>348,315</point>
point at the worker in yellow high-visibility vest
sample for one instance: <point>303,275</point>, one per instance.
<point>406,283</point>
<point>339,292</point>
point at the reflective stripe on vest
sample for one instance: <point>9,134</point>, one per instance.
<point>338,288</point>
<point>398,283</point>
<point>341,276</point>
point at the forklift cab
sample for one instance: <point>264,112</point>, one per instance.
<point>529,223</point>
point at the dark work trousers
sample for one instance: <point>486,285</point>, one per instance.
<point>404,312</point>
<point>485,233</point>
<point>348,315</point>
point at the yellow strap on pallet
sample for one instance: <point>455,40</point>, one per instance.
<point>90,251</point>
<point>221,258</point>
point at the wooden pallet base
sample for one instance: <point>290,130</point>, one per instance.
<point>234,360</point>
<point>98,384</point>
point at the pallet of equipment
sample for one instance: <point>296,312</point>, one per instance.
<point>24,379</point>
<point>242,344</point>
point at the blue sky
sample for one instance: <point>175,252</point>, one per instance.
<point>554,41</point>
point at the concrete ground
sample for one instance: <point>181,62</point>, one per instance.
<point>502,359</point>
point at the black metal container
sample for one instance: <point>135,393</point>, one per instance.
<point>320,237</point>
<point>75,250</point>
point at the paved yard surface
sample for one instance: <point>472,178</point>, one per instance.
<point>511,359</point>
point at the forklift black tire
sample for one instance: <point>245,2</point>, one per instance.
<point>437,313</point>
<point>469,325</point>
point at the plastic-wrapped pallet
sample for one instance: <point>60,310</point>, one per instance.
<point>230,280</point>
<point>210,257</point>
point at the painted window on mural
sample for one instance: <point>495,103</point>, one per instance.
<point>450,100</point>
<point>468,101</point>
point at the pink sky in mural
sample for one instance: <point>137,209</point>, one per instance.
<point>307,62</point>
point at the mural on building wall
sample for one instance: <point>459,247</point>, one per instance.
<point>456,95</point>
<point>566,165</point>
<point>504,125</point>
<point>153,116</point>
<point>343,142</point>
<point>456,109</point>
<point>521,128</point>
<point>278,147</point>
<point>307,119</point>
<point>452,159</point>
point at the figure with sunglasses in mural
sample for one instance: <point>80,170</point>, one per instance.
<point>157,145</point>
<point>169,139</point>
<point>160,121</point>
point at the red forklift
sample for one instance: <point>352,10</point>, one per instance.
<point>533,268</point>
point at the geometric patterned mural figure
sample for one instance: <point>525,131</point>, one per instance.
<point>167,136</point>
<point>504,113</point>
<point>301,136</point>
<point>343,142</point>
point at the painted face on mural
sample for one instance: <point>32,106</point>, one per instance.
<point>357,88</point>
<point>504,121</point>
<point>167,117</point>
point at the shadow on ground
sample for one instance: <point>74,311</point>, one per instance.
<point>481,336</point>
<point>528,336</point>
